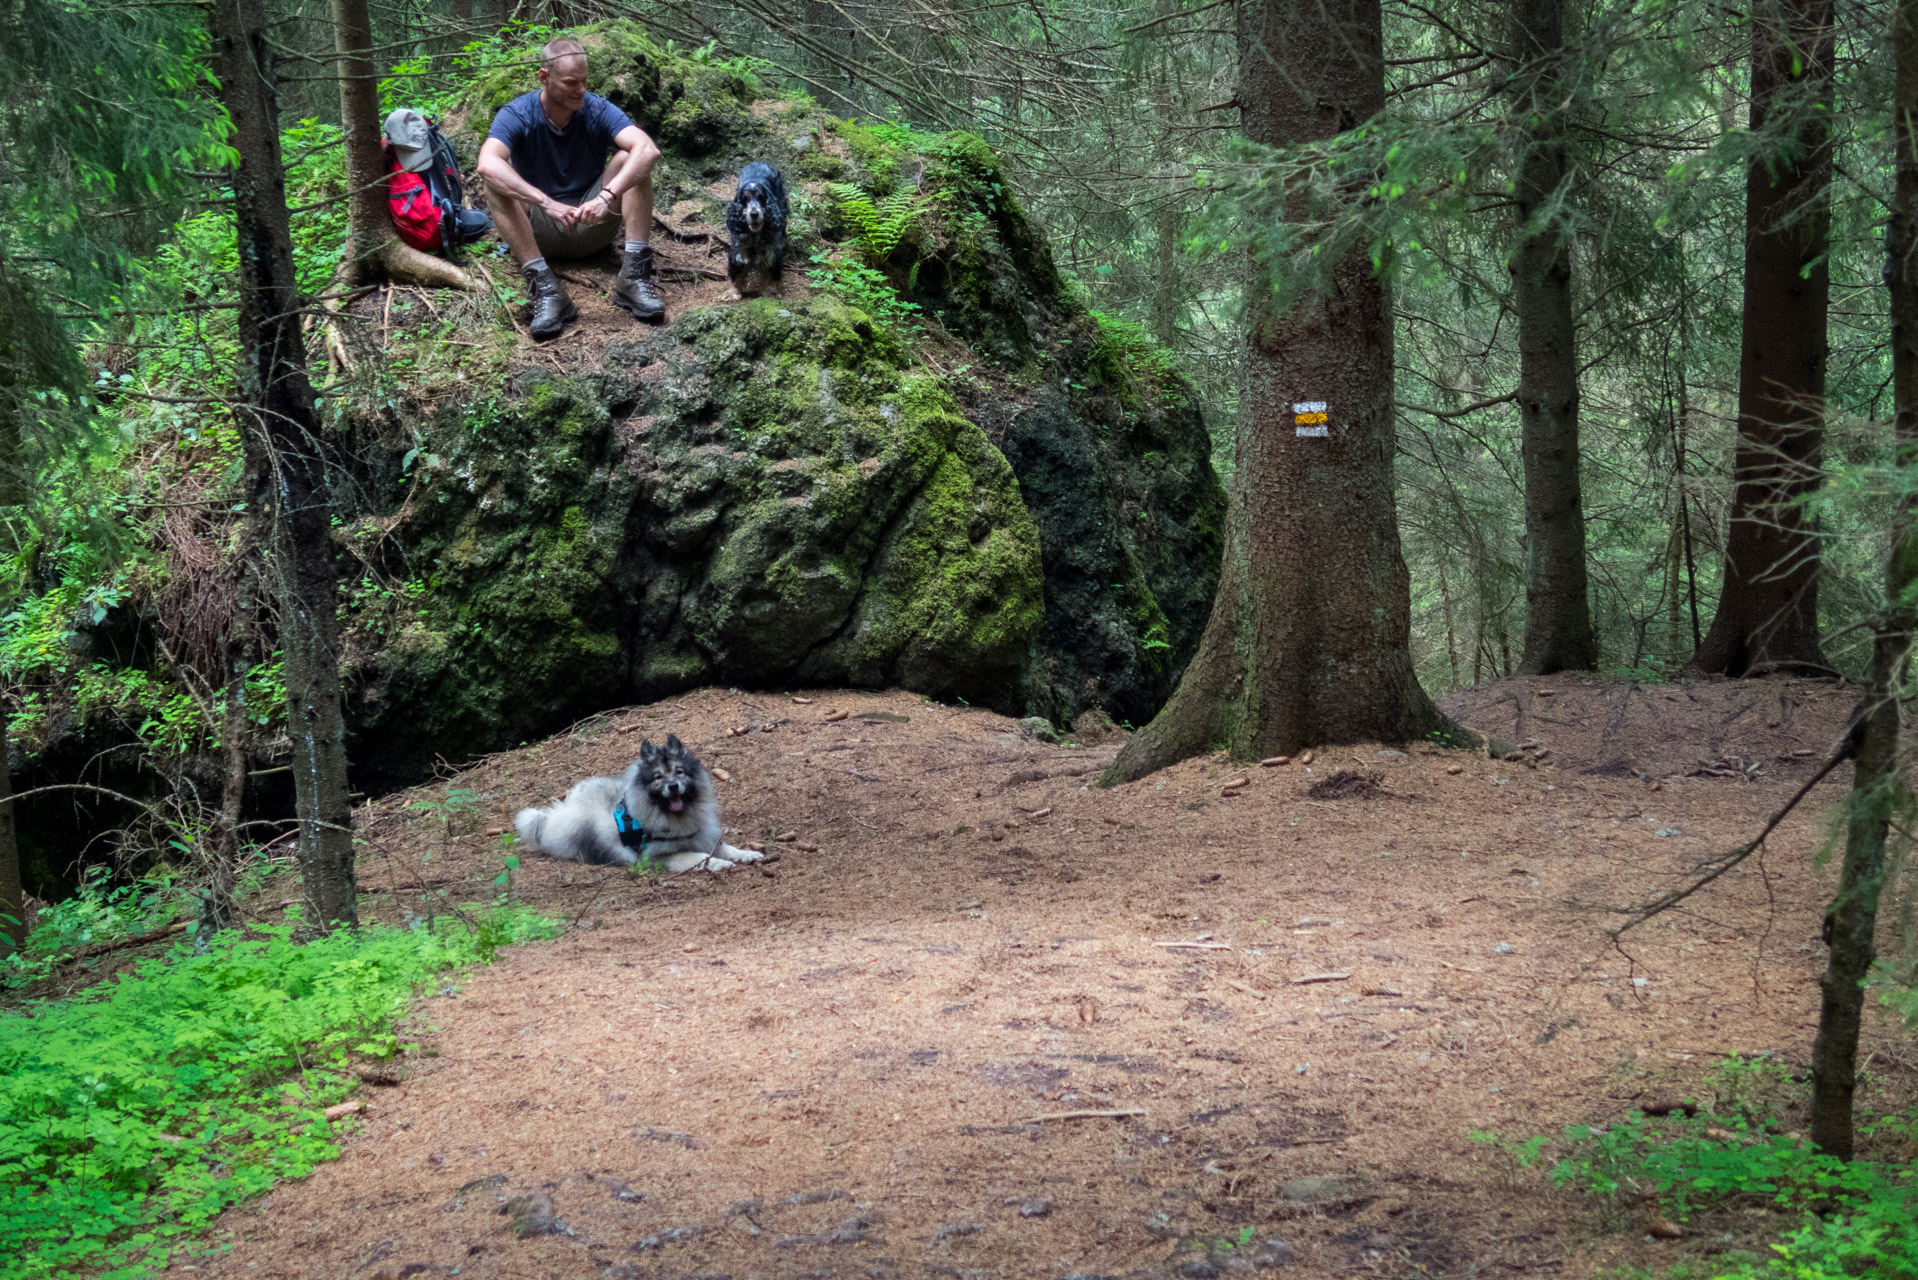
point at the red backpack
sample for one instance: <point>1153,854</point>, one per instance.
<point>429,208</point>
<point>416,216</point>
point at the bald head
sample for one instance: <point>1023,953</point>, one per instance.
<point>557,53</point>
<point>562,77</point>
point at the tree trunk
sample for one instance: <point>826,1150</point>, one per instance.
<point>223,842</point>
<point>13,896</point>
<point>1768,609</point>
<point>373,251</point>
<point>835,49</point>
<point>1165,285</point>
<point>1878,786</point>
<point>1308,638</point>
<point>277,413</point>
<point>1558,619</point>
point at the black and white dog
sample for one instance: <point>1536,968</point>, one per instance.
<point>663,810</point>
<point>756,220</point>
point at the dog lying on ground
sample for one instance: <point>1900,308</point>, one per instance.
<point>663,811</point>
<point>756,219</point>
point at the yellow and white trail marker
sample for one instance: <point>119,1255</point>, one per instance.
<point>1308,418</point>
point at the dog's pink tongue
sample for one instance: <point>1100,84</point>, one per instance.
<point>677,805</point>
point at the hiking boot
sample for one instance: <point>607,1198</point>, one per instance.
<point>553,307</point>
<point>634,288</point>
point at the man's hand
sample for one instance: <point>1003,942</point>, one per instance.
<point>598,207</point>
<point>595,208</point>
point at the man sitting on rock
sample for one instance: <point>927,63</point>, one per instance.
<point>554,194</point>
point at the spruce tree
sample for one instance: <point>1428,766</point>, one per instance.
<point>1558,619</point>
<point>1880,790</point>
<point>1767,615</point>
<point>286,462</point>
<point>1308,638</point>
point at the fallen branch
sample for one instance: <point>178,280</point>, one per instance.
<point>1724,863</point>
<point>121,944</point>
<point>1320,977</point>
<point>1196,946</point>
<point>1251,991</point>
<point>1084,1115</point>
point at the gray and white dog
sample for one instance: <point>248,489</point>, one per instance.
<point>663,810</point>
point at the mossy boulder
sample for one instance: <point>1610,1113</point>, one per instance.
<point>933,469</point>
<point>764,493</point>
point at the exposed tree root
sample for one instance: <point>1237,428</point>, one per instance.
<point>403,264</point>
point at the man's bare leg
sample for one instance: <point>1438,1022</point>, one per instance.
<point>509,215</point>
<point>636,207</point>
<point>552,307</point>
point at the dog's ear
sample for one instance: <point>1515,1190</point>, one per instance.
<point>648,752</point>
<point>674,747</point>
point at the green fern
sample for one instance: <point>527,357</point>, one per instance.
<point>881,223</point>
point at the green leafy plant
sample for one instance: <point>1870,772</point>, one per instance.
<point>1857,1218</point>
<point>98,911</point>
<point>861,286</point>
<point>131,1115</point>
<point>882,222</point>
<point>504,880</point>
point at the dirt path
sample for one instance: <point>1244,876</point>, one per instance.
<point>833,1068</point>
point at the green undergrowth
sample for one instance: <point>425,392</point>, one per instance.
<point>1127,358</point>
<point>1855,1218</point>
<point>99,910</point>
<point>134,1113</point>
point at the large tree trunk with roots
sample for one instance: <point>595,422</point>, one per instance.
<point>373,251</point>
<point>1878,786</point>
<point>277,414</point>
<point>13,896</point>
<point>1309,636</point>
<point>1768,608</point>
<point>1558,619</point>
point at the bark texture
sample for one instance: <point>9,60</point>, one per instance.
<point>1307,642</point>
<point>222,857</point>
<point>1558,619</point>
<point>1767,615</point>
<point>277,414</point>
<point>13,897</point>
<point>1878,786</point>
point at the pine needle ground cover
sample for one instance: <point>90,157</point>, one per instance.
<point>131,1115</point>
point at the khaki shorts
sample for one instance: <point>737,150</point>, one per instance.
<point>583,239</point>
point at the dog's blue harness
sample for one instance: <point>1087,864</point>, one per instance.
<point>631,834</point>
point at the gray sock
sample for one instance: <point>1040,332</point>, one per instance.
<point>535,264</point>
<point>634,246</point>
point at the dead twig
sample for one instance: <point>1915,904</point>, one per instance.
<point>121,944</point>
<point>1084,1115</point>
<point>1724,863</point>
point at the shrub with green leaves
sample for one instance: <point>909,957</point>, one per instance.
<point>1856,1218</point>
<point>133,1114</point>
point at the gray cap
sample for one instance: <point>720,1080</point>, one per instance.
<point>406,129</point>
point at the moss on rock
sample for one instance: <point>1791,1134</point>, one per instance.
<point>779,491</point>
<point>781,498</point>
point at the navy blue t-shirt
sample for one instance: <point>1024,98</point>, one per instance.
<point>564,163</point>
